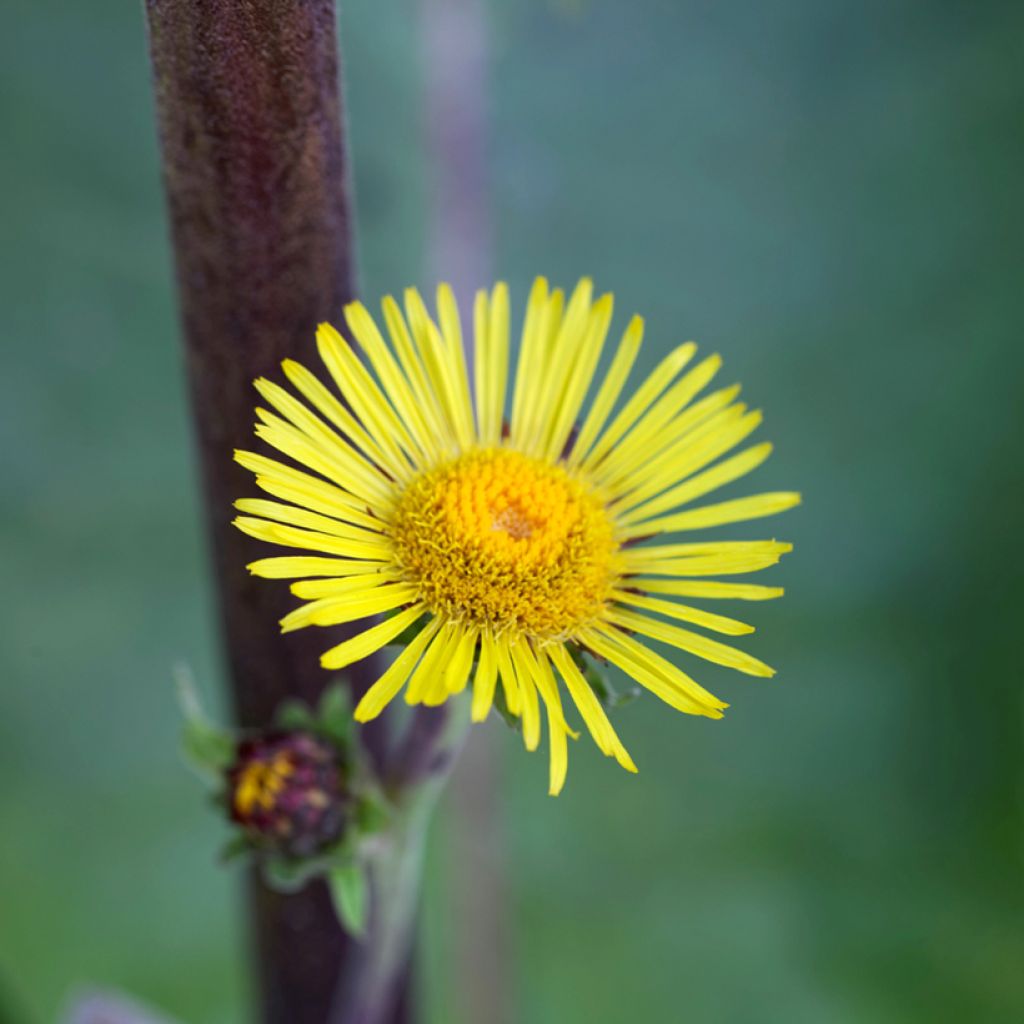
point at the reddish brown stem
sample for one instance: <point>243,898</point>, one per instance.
<point>257,180</point>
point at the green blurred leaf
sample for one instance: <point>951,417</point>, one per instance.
<point>350,889</point>
<point>295,714</point>
<point>334,713</point>
<point>237,846</point>
<point>206,747</point>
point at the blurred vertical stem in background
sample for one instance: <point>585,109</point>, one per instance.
<point>455,57</point>
<point>256,170</point>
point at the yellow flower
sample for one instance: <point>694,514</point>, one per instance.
<point>518,546</point>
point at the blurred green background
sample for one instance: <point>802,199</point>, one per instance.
<point>827,193</point>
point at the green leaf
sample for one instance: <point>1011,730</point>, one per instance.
<point>285,874</point>
<point>206,747</point>
<point>294,715</point>
<point>372,813</point>
<point>334,714</point>
<point>237,846</point>
<point>350,890</point>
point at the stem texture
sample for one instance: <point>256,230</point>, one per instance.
<point>257,179</point>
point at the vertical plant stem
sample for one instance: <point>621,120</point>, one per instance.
<point>257,178</point>
<point>422,766</point>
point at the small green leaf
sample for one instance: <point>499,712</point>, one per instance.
<point>284,874</point>
<point>334,714</point>
<point>372,813</point>
<point>294,715</point>
<point>237,846</point>
<point>208,749</point>
<point>351,896</point>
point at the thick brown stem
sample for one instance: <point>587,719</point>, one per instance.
<point>257,179</point>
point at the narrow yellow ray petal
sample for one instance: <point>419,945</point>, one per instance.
<point>756,506</point>
<point>333,611</point>
<point>364,395</point>
<point>559,363</point>
<point>438,363</point>
<point>590,707</point>
<point>557,728</point>
<point>523,431</point>
<point>530,346</point>
<point>712,589</point>
<point>708,565</point>
<point>507,674</point>
<point>321,398</point>
<point>693,643</point>
<point>653,672</point>
<point>497,336</point>
<point>647,430</point>
<point>609,391</point>
<point>320,499</point>
<point>286,567</point>
<point>482,355</point>
<point>338,586</point>
<point>620,466</point>
<point>528,692</point>
<point>386,688</point>
<point>373,639</point>
<point>544,678</point>
<point>393,380</point>
<point>319,434</point>
<point>456,672</point>
<point>429,671</point>
<point>427,399</point>
<point>293,537</point>
<point>335,464</point>
<point>486,678</point>
<point>713,437</point>
<point>576,368</point>
<point>659,378</point>
<point>639,556</point>
<point>451,330</point>
<point>294,516</point>
<point>298,487</point>
<point>699,617</point>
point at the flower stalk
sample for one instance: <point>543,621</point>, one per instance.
<point>257,176</point>
<point>369,992</point>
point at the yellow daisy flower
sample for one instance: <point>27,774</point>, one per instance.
<point>519,546</point>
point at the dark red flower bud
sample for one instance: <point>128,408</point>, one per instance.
<point>287,790</point>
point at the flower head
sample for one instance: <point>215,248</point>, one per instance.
<point>512,548</point>
<point>287,791</point>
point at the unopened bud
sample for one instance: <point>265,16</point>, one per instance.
<point>287,790</point>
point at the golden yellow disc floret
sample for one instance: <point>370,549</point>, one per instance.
<point>500,539</point>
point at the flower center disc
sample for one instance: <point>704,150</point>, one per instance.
<point>498,538</point>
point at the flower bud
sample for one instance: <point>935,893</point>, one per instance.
<point>287,790</point>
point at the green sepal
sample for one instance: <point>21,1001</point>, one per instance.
<point>206,748</point>
<point>408,634</point>
<point>351,892</point>
<point>286,874</point>
<point>596,675</point>
<point>237,846</point>
<point>501,706</point>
